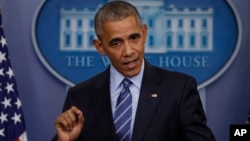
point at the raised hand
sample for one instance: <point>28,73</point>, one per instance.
<point>69,124</point>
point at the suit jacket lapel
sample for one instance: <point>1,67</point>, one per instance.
<point>148,100</point>
<point>103,106</point>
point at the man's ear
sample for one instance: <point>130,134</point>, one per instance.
<point>99,47</point>
<point>145,32</point>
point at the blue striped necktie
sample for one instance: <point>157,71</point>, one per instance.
<point>123,112</point>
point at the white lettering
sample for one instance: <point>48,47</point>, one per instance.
<point>184,61</point>
<point>80,61</point>
<point>237,132</point>
<point>240,132</point>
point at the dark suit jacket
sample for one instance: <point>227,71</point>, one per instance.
<point>176,114</point>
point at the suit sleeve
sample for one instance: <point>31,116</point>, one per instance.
<point>192,116</point>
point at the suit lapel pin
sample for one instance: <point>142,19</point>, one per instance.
<point>154,95</point>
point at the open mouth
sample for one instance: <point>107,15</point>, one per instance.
<point>130,64</point>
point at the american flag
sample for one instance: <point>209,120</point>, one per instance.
<point>12,126</point>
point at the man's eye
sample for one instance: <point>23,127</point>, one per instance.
<point>135,37</point>
<point>115,43</point>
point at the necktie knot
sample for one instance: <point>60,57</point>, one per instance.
<point>126,83</point>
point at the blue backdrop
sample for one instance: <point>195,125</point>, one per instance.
<point>227,100</point>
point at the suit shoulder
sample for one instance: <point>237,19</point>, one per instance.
<point>174,75</point>
<point>91,82</point>
<point>174,79</point>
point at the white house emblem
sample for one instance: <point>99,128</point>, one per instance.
<point>197,38</point>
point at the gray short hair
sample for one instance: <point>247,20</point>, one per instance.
<point>114,11</point>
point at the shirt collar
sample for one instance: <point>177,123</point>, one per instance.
<point>116,78</point>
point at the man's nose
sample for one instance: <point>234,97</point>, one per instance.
<point>128,48</point>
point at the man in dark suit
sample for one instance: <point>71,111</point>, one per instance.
<point>163,105</point>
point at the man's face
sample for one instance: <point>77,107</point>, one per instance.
<point>123,42</point>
